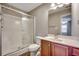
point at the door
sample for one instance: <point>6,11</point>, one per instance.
<point>45,48</point>
<point>66,25</point>
<point>27,31</point>
<point>11,33</point>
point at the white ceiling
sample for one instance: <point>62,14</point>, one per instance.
<point>25,6</point>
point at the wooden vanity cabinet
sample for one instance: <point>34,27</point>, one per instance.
<point>45,48</point>
<point>54,49</point>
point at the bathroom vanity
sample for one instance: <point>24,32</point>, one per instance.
<point>60,46</point>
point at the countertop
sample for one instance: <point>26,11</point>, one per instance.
<point>66,40</point>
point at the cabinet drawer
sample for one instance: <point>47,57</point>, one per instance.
<point>75,52</point>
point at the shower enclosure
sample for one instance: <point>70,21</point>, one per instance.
<point>16,30</point>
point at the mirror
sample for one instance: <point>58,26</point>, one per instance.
<point>60,21</point>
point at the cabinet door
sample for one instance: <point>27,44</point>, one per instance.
<point>52,49</point>
<point>75,52</point>
<point>45,48</point>
<point>60,50</point>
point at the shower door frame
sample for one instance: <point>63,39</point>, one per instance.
<point>18,11</point>
<point>0,30</point>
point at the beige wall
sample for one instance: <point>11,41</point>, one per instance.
<point>41,17</point>
<point>0,31</point>
<point>75,19</point>
<point>54,21</point>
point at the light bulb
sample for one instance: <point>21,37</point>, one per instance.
<point>53,4</point>
<point>23,18</point>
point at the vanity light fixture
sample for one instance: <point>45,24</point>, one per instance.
<point>66,3</point>
<point>60,5</point>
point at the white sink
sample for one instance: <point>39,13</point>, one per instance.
<point>49,37</point>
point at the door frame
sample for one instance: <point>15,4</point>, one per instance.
<point>61,19</point>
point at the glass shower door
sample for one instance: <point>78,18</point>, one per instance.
<point>11,34</point>
<point>17,33</point>
<point>27,31</point>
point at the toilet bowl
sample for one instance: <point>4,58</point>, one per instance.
<point>33,49</point>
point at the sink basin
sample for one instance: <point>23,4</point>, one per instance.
<point>49,37</point>
<point>59,40</point>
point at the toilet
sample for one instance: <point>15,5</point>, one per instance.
<point>33,48</point>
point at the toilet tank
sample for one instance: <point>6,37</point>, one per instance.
<point>37,40</point>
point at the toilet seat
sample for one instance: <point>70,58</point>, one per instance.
<point>33,47</point>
